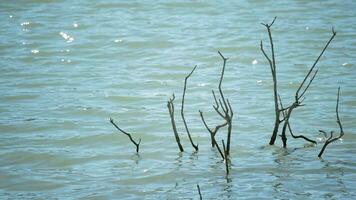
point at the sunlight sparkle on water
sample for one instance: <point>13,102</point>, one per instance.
<point>66,36</point>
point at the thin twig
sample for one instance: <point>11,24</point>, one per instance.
<point>182,110</point>
<point>137,144</point>
<point>213,133</point>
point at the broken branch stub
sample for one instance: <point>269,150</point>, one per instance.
<point>170,106</point>
<point>137,144</point>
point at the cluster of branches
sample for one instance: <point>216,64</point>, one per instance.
<point>223,107</point>
<point>170,105</point>
<point>283,114</point>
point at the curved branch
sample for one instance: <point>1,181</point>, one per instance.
<point>137,144</point>
<point>338,121</point>
<point>182,110</point>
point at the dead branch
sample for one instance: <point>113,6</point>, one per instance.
<point>272,64</point>
<point>170,106</point>
<point>137,144</point>
<point>338,121</point>
<point>182,110</point>
<point>289,127</point>
<point>302,89</point>
<point>223,108</point>
<point>200,197</point>
<point>213,133</point>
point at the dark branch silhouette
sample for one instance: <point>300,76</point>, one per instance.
<point>182,109</point>
<point>200,197</point>
<point>302,89</point>
<point>299,95</point>
<point>224,110</point>
<point>272,64</point>
<point>137,144</point>
<point>170,106</point>
<point>289,127</point>
<point>338,121</point>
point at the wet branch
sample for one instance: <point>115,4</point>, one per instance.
<point>213,133</point>
<point>338,121</point>
<point>224,110</point>
<point>170,106</point>
<point>182,109</point>
<point>137,144</point>
<point>289,127</point>
<point>302,89</point>
<point>272,64</point>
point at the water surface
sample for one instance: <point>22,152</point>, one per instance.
<point>67,66</point>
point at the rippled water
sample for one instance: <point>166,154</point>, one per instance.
<point>67,66</point>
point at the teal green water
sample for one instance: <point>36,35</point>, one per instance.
<point>67,66</point>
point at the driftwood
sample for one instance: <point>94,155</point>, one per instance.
<point>137,144</point>
<point>223,108</point>
<point>331,139</point>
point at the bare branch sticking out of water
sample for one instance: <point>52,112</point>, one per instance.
<point>200,197</point>
<point>338,121</point>
<point>302,89</point>
<point>170,106</point>
<point>299,95</point>
<point>272,64</point>
<point>137,144</point>
<point>224,110</point>
<point>182,110</point>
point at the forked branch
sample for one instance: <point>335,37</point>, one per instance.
<point>224,110</point>
<point>272,64</point>
<point>182,110</point>
<point>137,144</point>
<point>170,106</point>
<point>302,89</point>
<point>338,121</point>
<point>289,127</point>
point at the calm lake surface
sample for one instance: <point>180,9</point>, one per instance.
<point>67,66</point>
